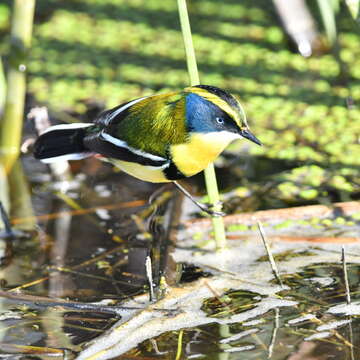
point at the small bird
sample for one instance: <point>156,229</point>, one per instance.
<point>158,138</point>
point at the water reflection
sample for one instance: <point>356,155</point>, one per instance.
<point>88,246</point>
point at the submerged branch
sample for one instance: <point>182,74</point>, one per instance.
<point>74,305</point>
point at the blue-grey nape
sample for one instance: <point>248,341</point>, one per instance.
<point>200,114</point>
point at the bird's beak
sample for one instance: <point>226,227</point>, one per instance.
<point>247,134</point>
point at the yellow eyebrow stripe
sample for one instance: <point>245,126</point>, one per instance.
<point>223,105</point>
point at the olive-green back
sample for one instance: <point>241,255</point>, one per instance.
<point>154,123</point>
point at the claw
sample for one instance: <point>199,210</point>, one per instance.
<point>204,207</point>
<point>207,208</point>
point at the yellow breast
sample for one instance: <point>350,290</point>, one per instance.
<point>201,149</point>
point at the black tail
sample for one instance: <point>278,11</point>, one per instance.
<point>62,142</point>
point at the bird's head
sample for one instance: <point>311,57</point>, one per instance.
<point>213,111</point>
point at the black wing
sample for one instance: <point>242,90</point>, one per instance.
<point>109,146</point>
<point>116,114</point>
<point>104,143</point>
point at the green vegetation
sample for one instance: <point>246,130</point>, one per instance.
<point>230,303</point>
<point>110,51</point>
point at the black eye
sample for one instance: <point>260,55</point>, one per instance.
<point>220,120</point>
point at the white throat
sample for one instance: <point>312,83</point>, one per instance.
<point>222,137</point>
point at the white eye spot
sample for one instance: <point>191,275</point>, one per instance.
<point>220,120</point>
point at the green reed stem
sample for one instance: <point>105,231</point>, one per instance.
<point>11,124</point>
<point>327,11</point>
<point>2,87</point>
<point>210,177</point>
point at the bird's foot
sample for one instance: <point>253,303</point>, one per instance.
<point>209,209</point>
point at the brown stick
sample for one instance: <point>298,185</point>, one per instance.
<point>45,301</point>
<point>122,205</point>
<point>313,239</point>
<point>300,212</point>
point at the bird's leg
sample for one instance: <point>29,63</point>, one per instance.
<point>203,207</point>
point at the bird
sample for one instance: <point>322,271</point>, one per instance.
<point>158,138</point>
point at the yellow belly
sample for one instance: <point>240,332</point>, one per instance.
<point>190,158</point>
<point>201,149</point>
<point>142,172</point>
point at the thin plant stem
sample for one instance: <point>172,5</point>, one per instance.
<point>148,268</point>
<point>346,280</point>
<point>11,124</point>
<point>274,333</point>
<point>272,262</point>
<point>179,347</point>
<point>2,87</point>
<point>188,43</point>
<point>43,301</point>
<point>20,197</point>
<point>327,12</point>
<point>210,177</point>
<point>6,222</point>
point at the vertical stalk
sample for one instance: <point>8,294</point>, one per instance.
<point>11,124</point>
<point>210,177</point>
<point>20,197</point>
<point>2,87</point>
<point>327,11</point>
